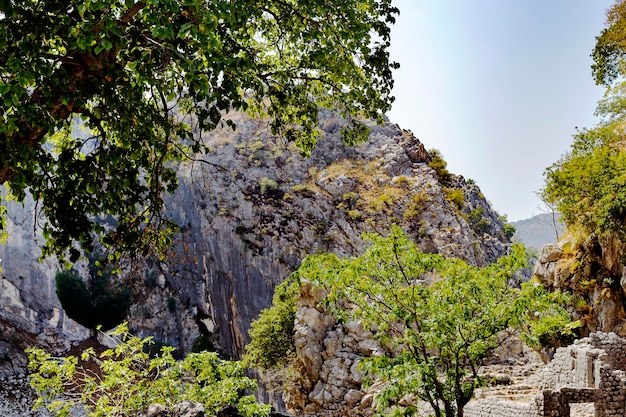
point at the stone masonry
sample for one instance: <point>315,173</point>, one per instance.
<point>591,371</point>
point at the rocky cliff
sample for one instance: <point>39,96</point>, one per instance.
<point>248,213</point>
<point>592,269</point>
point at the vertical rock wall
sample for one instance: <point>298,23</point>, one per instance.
<point>248,212</point>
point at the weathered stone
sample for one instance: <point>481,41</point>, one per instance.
<point>356,328</point>
<point>157,410</point>
<point>312,359</point>
<point>331,345</point>
<point>370,347</point>
<point>191,409</point>
<point>353,396</point>
<point>550,253</point>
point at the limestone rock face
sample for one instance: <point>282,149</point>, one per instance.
<point>248,212</point>
<point>255,208</point>
<point>328,355</point>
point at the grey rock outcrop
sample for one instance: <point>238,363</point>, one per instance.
<point>593,270</point>
<point>16,398</point>
<point>255,208</point>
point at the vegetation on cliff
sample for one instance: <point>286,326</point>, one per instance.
<point>271,334</point>
<point>587,185</point>
<point>95,301</point>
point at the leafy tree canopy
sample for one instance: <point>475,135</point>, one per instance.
<point>125,380</point>
<point>98,96</point>
<point>588,185</point>
<point>271,335</point>
<point>441,316</point>
<point>610,50</point>
<point>93,302</point>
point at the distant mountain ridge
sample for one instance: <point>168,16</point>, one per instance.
<point>539,230</point>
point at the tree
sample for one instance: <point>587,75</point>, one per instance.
<point>610,50</point>
<point>271,335</point>
<point>125,380</point>
<point>99,96</point>
<point>440,316</point>
<point>587,185</point>
<point>94,302</point>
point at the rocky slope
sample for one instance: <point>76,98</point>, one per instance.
<point>592,269</point>
<point>253,211</point>
<point>249,211</point>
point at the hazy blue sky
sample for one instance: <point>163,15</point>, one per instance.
<point>498,86</point>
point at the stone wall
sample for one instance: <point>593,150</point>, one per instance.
<point>495,407</point>
<point>590,371</point>
<point>578,365</point>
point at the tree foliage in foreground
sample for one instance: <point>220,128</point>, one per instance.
<point>610,49</point>
<point>588,184</point>
<point>441,316</point>
<point>98,97</point>
<point>126,380</point>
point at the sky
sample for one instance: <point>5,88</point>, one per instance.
<point>498,86</point>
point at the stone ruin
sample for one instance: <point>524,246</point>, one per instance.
<point>592,371</point>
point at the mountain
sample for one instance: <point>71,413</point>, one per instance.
<point>539,230</point>
<point>249,211</point>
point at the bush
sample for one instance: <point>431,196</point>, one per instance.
<point>509,229</point>
<point>267,187</point>
<point>127,380</point>
<point>354,215</point>
<point>439,165</point>
<point>349,199</point>
<point>456,196</point>
<point>93,303</point>
<point>419,203</point>
<point>272,333</point>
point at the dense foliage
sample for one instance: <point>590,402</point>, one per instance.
<point>272,333</point>
<point>125,380</point>
<point>610,50</point>
<point>588,184</point>
<point>441,316</point>
<point>94,302</point>
<point>98,97</point>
